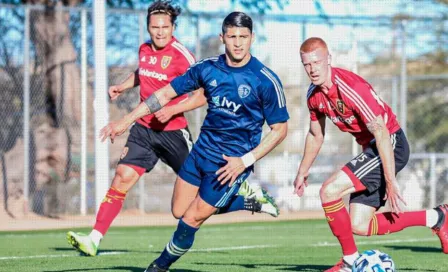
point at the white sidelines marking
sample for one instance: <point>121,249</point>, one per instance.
<point>124,252</point>
<point>379,242</point>
<point>230,248</point>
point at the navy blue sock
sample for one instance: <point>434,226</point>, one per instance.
<point>181,242</point>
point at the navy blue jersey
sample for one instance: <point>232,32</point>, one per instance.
<point>239,99</point>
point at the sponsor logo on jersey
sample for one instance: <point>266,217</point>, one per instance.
<point>244,90</point>
<point>165,62</point>
<point>225,105</point>
<point>213,83</point>
<point>153,74</point>
<point>336,119</point>
<point>341,106</point>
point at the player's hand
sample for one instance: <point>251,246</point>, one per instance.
<point>394,196</point>
<point>112,130</point>
<point>231,170</point>
<point>164,114</point>
<point>300,183</point>
<point>114,92</point>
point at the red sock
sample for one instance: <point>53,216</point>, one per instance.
<point>109,209</point>
<point>385,223</point>
<point>340,224</point>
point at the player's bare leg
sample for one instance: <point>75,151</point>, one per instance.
<point>360,216</point>
<point>183,237</point>
<point>338,218</point>
<point>124,179</point>
<point>183,195</point>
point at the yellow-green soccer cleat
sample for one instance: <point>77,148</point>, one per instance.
<point>82,242</point>
<point>252,191</point>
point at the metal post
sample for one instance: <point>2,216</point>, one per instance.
<point>83,112</point>
<point>197,112</point>
<point>141,185</point>
<point>101,103</point>
<point>355,146</point>
<point>26,110</point>
<point>432,180</point>
<point>403,77</point>
<point>394,94</point>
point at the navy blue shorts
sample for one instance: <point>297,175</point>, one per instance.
<point>200,172</point>
<point>145,147</point>
<point>367,169</point>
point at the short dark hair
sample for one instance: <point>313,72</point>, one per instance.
<point>163,7</point>
<point>237,19</point>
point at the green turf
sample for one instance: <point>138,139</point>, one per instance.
<point>304,245</point>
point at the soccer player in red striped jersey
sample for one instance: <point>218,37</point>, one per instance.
<point>370,178</point>
<point>164,135</point>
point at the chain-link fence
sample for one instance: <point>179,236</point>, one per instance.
<point>46,60</point>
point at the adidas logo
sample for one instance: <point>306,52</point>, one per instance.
<point>143,59</point>
<point>321,106</point>
<point>213,83</point>
<point>354,162</point>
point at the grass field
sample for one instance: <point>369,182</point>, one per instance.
<point>305,245</point>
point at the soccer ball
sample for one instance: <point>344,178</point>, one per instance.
<point>373,261</point>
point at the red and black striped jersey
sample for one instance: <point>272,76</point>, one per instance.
<point>156,69</point>
<point>351,103</point>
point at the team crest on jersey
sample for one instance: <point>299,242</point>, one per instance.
<point>341,106</point>
<point>244,90</point>
<point>124,153</point>
<point>165,61</point>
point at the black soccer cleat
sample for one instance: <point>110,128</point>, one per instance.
<point>154,268</point>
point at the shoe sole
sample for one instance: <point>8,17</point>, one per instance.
<point>75,244</point>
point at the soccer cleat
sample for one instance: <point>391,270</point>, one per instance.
<point>154,268</point>
<point>252,191</point>
<point>441,228</point>
<point>269,207</point>
<point>341,266</point>
<point>82,243</point>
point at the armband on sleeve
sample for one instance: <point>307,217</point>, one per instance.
<point>153,103</point>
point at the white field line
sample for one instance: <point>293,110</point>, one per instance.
<point>123,252</point>
<point>320,244</point>
<point>379,242</point>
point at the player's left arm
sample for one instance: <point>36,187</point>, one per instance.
<point>371,108</point>
<point>274,110</point>
<point>382,138</point>
<point>195,100</point>
<point>236,165</point>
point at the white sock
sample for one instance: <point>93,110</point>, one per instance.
<point>351,258</point>
<point>96,237</point>
<point>431,218</point>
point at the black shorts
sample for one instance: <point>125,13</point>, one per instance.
<point>366,169</point>
<point>146,146</point>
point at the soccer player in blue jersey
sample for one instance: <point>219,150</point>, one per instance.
<point>241,94</point>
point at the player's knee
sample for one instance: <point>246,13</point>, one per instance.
<point>360,228</point>
<point>177,212</point>
<point>328,192</point>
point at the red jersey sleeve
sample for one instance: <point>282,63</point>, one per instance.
<point>315,114</point>
<point>363,100</point>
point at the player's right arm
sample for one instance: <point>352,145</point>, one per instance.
<point>152,104</point>
<point>186,83</point>
<point>196,100</point>
<point>313,143</point>
<point>130,82</point>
